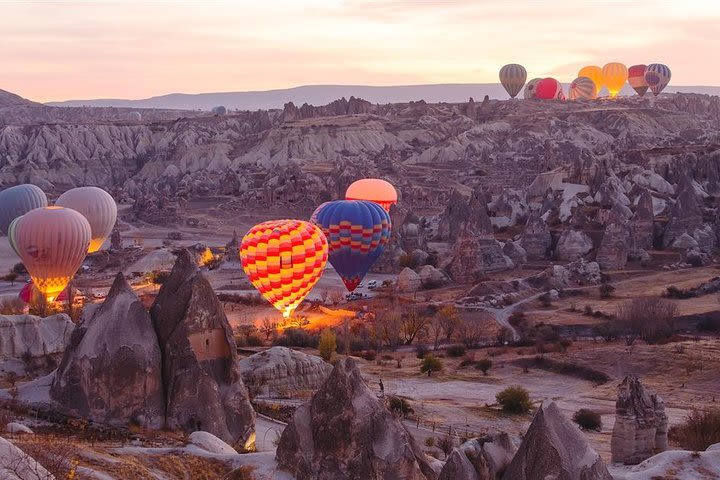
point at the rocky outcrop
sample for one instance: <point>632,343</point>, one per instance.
<point>641,225</point>
<point>279,371</point>
<point>615,245</point>
<point>111,371</point>
<point>232,249</point>
<point>679,464</point>
<point>455,214</point>
<point>553,447</point>
<point>572,245</point>
<point>346,432</point>
<point>408,280</point>
<point>641,425</point>
<point>203,386</point>
<point>28,335</point>
<point>116,242</point>
<point>536,238</point>
<point>685,216</point>
<point>18,465</point>
<point>342,106</point>
<point>431,277</point>
<point>706,238</point>
<point>515,252</point>
<point>484,458</point>
<point>474,255</point>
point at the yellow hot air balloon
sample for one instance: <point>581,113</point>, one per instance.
<point>614,76</point>
<point>97,206</point>
<point>52,243</point>
<point>582,88</point>
<point>595,74</point>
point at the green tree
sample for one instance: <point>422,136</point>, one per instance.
<point>514,399</point>
<point>327,344</point>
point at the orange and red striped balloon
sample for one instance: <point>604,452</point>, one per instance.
<point>636,79</point>
<point>284,259</point>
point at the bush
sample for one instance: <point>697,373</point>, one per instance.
<point>408,261</point>
<point>588,419</point>
<point>430,442</point>
<point>431,364</point>
<point>545,300</point>
<point>484,365</point>
<point>11,306</point>
<point>708,324</point>
<point>456,350</point>
<point>674,292</point>
<point>700,430</point>
<point>468,360</point>
<point>606,290</point>
<point>297,337</point>
<point>446,444</point>
<point>564,344</point>
<point>514,400</point>
<point>254,340</point>
<point>327,344</point>
<point>369,355</point>
<point>158,277</point>
<point>649,318</point>
<point>421,351</point>
<point>400,406</point>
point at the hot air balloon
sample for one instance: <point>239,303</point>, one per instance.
<point>357,232</point>
<point>26,293</point>
<point>529,92</point>
<point>614,76</point>
<point>284,259</point>
<point>52,243</point>
<point>513,78</point>
<point>10,234</point>
<point>17,201</point>
<point>636,79</point>
<point>313,217</point>
<point>374,190</point>
<point>135,116</point>
<point>549,89</point>
<point>594,73</point>
<point>97,206</point>
<point>582,88</point>
<point>219,110</point>
<point>657,77</point>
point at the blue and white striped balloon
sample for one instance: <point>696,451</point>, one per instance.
<point>513,78</point>
<point>657,77</point>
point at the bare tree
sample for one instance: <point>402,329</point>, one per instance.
<point>268,327</point>
<point>412,324</point>
<point>450,320</point>
<point>387,328</point>
<point>649,318</point>
<point>436,330</point>
<point>470,331</point>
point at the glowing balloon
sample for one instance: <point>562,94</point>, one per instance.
<point>357,232</point>
<point>657,77</point>
<point>284,259</point>
<point>582,88</point>
<point>636,79</point>
<point>595,74</point>
<point>549,89</point>
<point>17,201</point>
<point>529,92</point>
<point>374,190</point>
<point>513,78</point>
<point>97,206</point>
<point>26,293</point>
<point>52,243</point>
<point>614,76</point>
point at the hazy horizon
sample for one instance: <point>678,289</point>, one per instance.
<point>60,50</point>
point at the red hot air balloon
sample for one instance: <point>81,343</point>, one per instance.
<point>636,79</point>
<point>549,89</point>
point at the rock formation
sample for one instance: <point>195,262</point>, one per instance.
<point>111,372</point>
<point>536,238</point>
<point>431,277</point>
<point>554,448</point>
<point>484,458</point>
<point>515,252</point>
<point>280,370</point>
<point>18,465</point>
<point>641,225</point>
<point>685,216</point>
<point>456,213</point>
<point>473,255</point>
<point>203,385</point>
<point>232,249</point>
<point>346,432</point>
<point>28,335</point>
<point>116,242</point>
<point>408,280</point>
<point>572,245</point>
<point>615,245</point>
<point>641,425</point>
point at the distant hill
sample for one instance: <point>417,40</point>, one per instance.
<point>8,99</point>
<point>323,94</point>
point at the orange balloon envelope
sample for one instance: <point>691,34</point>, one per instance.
<point>52,243</point>
<point>373,189</point>
<point>582,88</point>
<point>284,259</point>
<point>594,73</point>
<point>614,77</point>
<point>636,79</point>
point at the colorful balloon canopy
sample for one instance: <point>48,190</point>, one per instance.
<point>52,243</point>
<point>373,189</point>
<point>18,200</point>
<point>529,92</point>
<point>27,291</point>
<point>549,89</point>
<point>98,207</point>
<point>357,232</point>
<point>582,88</point>
<point>313,217</point>
<point>636,79</point>
<point>284,259</point>
<point>657,77</point>
<point>614,76</point>
<point>594,73</point>
<point>512,78</point>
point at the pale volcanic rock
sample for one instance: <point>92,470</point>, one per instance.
<point>210,443</point>
<point>615,245</point>
<point>641,424</point>
<point>515,251</point>
<point>554,448</point>
<point>280,370</point>
<point>536,238</point>
<point>18,465</point>
<point>680,464</point>
<point>203,386</point>
<point>474,255</point>
<point>684,242</point>
<point>111,370</point>
<point>706,238</point>
<point>685,216</point>
<point>345,432</point>
<point>455,214</point>
<point>641,225</point>
<point>408,280</point>
<point>572,245</point>
<point>484,458</point>
<point>22,335</point>
<point>431,276</point>
<point>653,181</point>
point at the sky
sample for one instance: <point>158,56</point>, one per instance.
<point>61,50</point>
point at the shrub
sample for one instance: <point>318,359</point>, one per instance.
<point>11,306</point>
<point>421,351</point>
<point>400,406</point>
<point>456,350</point>
<point>709,324</point>
<point>430,442</point>
<point>564,344</point>
<point>327,344</point>
<point>431,364</point>
<point>468,360</point>
<point>606,290</point>
<point>649,318</point>
<point>254,340</point>
<point>484,365</point>
<point>607,331</point>
<point>297,337</point>
<point>700,430</point>
<point>588,419</point>
<point>369,355</point>
<point>408,261</point>
<point>674,292</point>
<point>588,310</point>
<point>514,400</point>
<point>446,444</point>
<point>545,299</point>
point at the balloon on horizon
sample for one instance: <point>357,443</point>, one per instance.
<point>582,88</point>
<point>98,207</point>
<point>614,76</point>
<point>594,73</point>
<point>512,78</point>
<point>375,190</point>
<point>636,79</point>
<point>549,89</point>
<point>657,77</point>
<point>17,201</point>
<point>529,92</point>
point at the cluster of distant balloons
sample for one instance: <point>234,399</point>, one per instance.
<point>284,259</point>
<point>589,82</point>
<point>52,242</point>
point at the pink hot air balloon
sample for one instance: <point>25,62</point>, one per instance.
<point>549,89</point>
